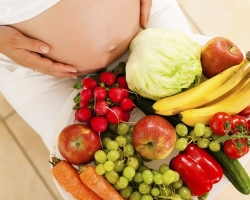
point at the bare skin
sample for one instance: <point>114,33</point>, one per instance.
<point>78,42</point>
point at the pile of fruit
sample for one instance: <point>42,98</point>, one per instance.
<point>208,125</point>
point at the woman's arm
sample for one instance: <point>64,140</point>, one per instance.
<point>28,52</point>
<point>145,12</point>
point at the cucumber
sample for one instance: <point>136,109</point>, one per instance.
<point>145,105</point>
<point>234,171</point>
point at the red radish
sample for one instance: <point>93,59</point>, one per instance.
<point>126,116</point>
<point>99,124</point>
<point>115,94</point>
<point>100,93</point>
<point>121,80</point>
<point>127,104</point>
<point>85,114</point>
<point>107,78</point>
<point>125,93</point>
<point>84,104</point>
<point>101,107</point>
<point>86,95</point>
<point>114,115</point>
<point>89,83</point>
<point>77,117</point>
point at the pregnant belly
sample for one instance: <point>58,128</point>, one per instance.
<point>88,34</point>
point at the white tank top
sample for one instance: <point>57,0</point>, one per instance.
<point>13,11</point>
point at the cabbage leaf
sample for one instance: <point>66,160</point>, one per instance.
<point>162,63</point>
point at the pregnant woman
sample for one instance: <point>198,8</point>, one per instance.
<point>75,38</point>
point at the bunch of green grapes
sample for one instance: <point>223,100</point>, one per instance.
<point>201,135</point>
<point>119,163</point>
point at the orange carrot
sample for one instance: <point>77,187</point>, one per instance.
<point>98,184</point>
<point>67,176</point>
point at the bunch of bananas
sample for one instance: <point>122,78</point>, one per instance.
<point>229,91</point>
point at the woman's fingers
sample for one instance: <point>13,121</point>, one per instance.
<point>44,65</point>
<point>30,44</point>
<point>27,53</point>
<point>145,12</point>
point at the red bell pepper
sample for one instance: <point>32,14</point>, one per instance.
<point>198,169</point>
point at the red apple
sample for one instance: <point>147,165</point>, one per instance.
<point>153,137</point>
<point>218,54</point>
<point>77,143</point>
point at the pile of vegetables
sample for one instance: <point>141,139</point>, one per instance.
<point>103,98</point>
<point>163,63</point>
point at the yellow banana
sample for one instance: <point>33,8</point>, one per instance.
<point>216,93</point>
<point>232,103</point>
<point>167,106</point>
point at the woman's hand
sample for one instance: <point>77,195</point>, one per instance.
<point>26,52</point>
<point>145,12</point>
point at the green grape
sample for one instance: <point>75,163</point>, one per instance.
<point>147,176</point>
<point>177,196</point>
<point>155,192</point>
<point>163,168</point>
<point>100,170</point>
<point>138,159</point>
<point>144,188</point>
<point>119,165</point>
<point>112,176</point>
<point>155,171</point>
<point>112,145</point>
<point>133,162</point>
<point>109,165</point>
<point>105,140</point>
<point>168,177</point>
<point>146,197</point>
<point>208,132</point>
<point>181,144</point>
<point>177,176</point>
<point>128,172</point>
<point>129,150</point>
<point>181,129</point>
<point>138,177</point>
<point>121,140</point>
<point>122,128</point>
<point>135,196</point>
<point>112,127</point>
<point>128,138</point>
<point>126,192</point>
<point>166,191</point>
<point>158,178</point>
<point>142,167</point>
<point>113,155</point>
<point>177,184</point>
<point>199,129</point>
<point>203,143</point>
<point>214,146</point>
<point>131,128</point>
<point>100,156</point>
<point>121,183</point>
<point>192,134</point>
<point>184,192</point>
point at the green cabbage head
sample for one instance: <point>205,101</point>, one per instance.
<point>162,63</point>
